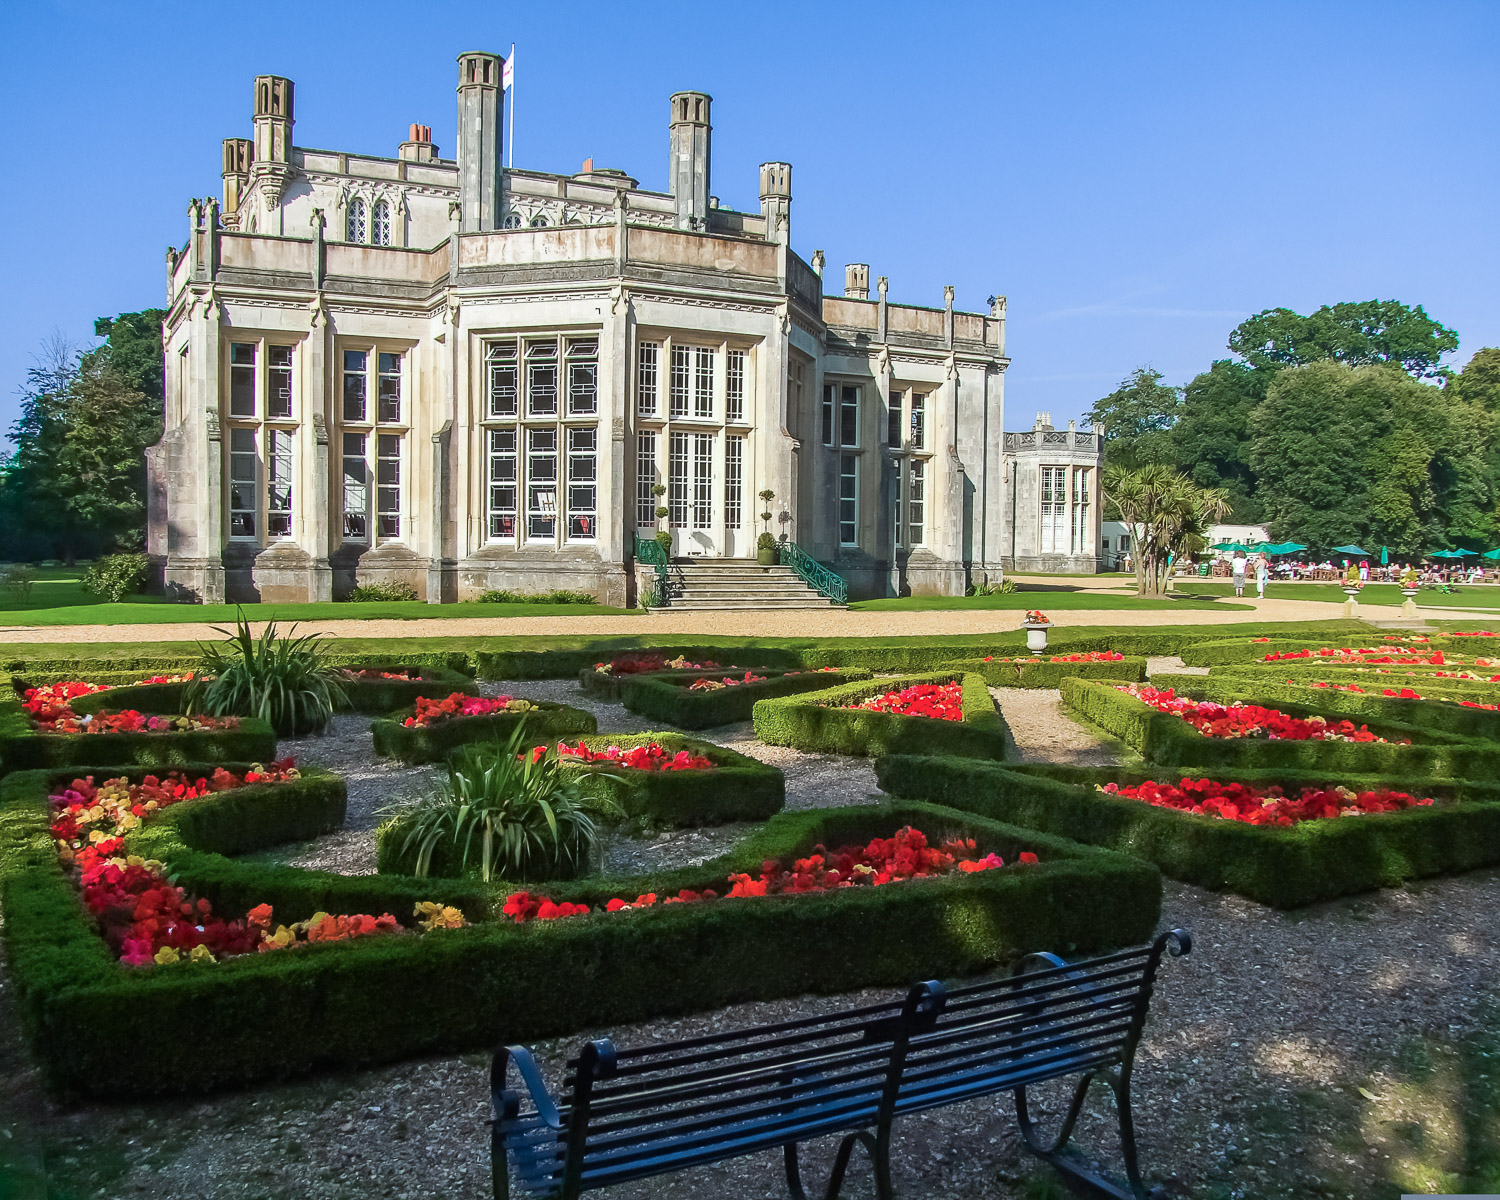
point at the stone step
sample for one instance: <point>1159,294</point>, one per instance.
<point>750,603</point>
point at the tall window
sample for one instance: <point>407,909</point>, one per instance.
<point>916,495</point>
<point>1080,510</point>
<point>583,376</point>
<point>244,476</point>
<point>848,415</point>
<point>893,421</point>
<point>848,499</point>
<point>380,224</point>
<point>356,488</point>
<point>1054,507</point>
<point>583,475</point>
<point>543,465</point>
<point>647,378</point>
<point>682,379</point>
<point>645,478</point>
<point>918,421</point>
<point>541,483</point>
<point>734,481</point>
<point>734,386</point>
<point>703,382</point>
<point>703,480</point>
<point>355,225</point>
<point>502,483</point>
<point>677,480</point>
<point>828,396</point>
<point>373,445</point>
<point>261,440</point>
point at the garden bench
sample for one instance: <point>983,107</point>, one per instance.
<point>635,1113</point>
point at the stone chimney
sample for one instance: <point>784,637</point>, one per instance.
<point>418,146</point>
<point>688,174</point>
<point>480,141</point>
<point>239,155</point>
<point>776,201</point>
<point>857,281</point>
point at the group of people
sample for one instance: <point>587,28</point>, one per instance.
<point>1261,570</point>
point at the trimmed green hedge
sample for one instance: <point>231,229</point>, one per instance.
<point>376,697</point>
<point>1434,713</point>
<point>815,721</point>
<point>1040,673</point>
<point>547,721</point>
<point>382,999</point>
<point>22,748</point>
<point>672,700</point>
<point>1248,650</point>
<point>1284,867</point>
<point>1170,741</point>
<point>1429,683</point>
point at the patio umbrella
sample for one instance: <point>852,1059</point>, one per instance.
<point>1495,553</point>
<point>1349,550</point>
<point>1385,556</point>
<point>1283,547</point>
<point>1451,553</point>
<point>1230,546</point>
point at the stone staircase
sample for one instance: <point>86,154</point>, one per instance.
<point>715,584</point>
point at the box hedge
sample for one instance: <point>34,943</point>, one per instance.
<point>672,699</point>
<point>1284,867</point>
<point>1168,740</point>
<point>816,721</point>
<point>22,748</point>
<point>105,1030</point>
<point>1042,672</point>
<point>1428,713</point>
<point>411,744</point>
<point>1428,683</point>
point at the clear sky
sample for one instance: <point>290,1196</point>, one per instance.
<point>1136,177</point>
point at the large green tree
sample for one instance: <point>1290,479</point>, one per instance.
<point>1372,456</point>
<point>1357,334</point>
<point>1211,440</point>
<point>1138,417</point>
<point>1167,514</point>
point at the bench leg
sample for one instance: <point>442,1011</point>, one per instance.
<point>1055,1152</point>
<point>877,1148</point>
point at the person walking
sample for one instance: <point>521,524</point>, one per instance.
<point>1238,570</point>
<point>1262,574</point>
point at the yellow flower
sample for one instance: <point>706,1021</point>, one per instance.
<point>166,955</point>
<point>134,860</point>
<point>282,938</point>
<point>202,954</point>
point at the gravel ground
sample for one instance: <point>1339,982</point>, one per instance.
<point>1040,731</point>
<point>1279,1059</point>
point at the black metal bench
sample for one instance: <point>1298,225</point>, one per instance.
<point>635,1113</point>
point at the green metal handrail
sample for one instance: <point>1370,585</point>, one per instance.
<point>813,573</point>
<point>652,552</point>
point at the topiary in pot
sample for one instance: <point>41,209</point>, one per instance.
<point>765,550</point>
<point>514,813</point>
<point>285,680</point>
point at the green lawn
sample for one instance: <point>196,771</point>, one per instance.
<point>1478,596</point>
<point>1060,599</point>
<point>57,598</point>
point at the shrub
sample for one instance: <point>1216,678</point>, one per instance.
<point>1284,867</point>
<point>529,816</point>
<point>556,596</point>
<point>412,744</point>
<point>368,592</point>
<point>670,698</point>
<point>1004,588</point>
<point>816,721</point>
<point>17,580</point>
<point>284,680</point>
<point>116,576</point>
<point>998,671</point>
<point>375,697</point>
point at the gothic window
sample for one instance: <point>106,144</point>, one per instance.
<point>261,440</point>
<point>355,406</point>
<point>356,489</point>
<point>279,483</point>
<point>541,378</point>
<point>848,416</point>
<point>355,222</point>
<point>583,377</point>
<point>916,495</point>
<point>512,221</point>
<point>734,386</point>
<point>539,222</point>
<point>380,224</point>
<point>645,478</point>
<point>848,500</point>
<point>734,481</point>
<point>541,488</point>
<point>1054,510</point>
<point>828,391</point>
<point>893,421</point>
<point>389,403</point>
<point>918,421</point>
<point>1080,533</point>
<point>503,481</point>
<point>682,375</point>
<point>583,475</point>
<point>388,490</point>
<point>703,383</point>
<point>373,440</point>
<point>244,474</point>
<point>677,481</point>
<point>647,378</point>
<point>703,480</point>
<point>279,382</point>
<point>505,380</point>
<point>242,379</point>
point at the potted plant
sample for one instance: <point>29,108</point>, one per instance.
<point>1352,582</point>
<point>664,534</point>
<point>765,550</point>
<point>1410,581</point>
<point>1036,625</point>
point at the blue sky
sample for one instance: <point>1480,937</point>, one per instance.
<point>1135,177</point>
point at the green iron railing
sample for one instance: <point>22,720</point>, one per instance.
<point>813,573</point>
<point>649,550</point>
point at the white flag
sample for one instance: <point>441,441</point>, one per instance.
<point>508,71</point>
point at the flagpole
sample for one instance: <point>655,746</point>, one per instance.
<point>511,139</point>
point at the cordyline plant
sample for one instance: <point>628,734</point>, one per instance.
<point>1167,514</point>
<point>519,813</point>
<point>284,679</point>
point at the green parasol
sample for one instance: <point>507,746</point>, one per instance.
<point>1230,546</point>
<point>1349,550</point>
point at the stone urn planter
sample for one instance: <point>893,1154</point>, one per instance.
<point>1036,635</point>
<point>766,556</point>
<point>1409,601</point>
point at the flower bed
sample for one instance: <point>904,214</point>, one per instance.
<point>1045,672</point>
<point>376,690</point>
<point>1282,865</point>
<point>1268,805</point>
<point>837,721</point>
<point>906,855</point>
<point>679,700</point>
<point>1165,738</point>
<point>1451,715</point>
<point>380,999</point>
<point>433,728</point>
<point>936,701</point>
<point>1238,720</point>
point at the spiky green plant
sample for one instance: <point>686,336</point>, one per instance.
<point>285,679</point>
<point>520,816</point>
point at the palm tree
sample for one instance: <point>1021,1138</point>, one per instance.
<point>1166,512</point>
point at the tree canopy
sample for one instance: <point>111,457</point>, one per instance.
<point>1357,334</point>
<point>1138,417</point>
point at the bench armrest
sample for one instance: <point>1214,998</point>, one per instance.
<point>507,1102</point>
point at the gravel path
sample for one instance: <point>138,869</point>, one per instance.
<point>1042,732</point>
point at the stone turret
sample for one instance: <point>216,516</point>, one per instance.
<point>689,171</point>
<point>481,141</point>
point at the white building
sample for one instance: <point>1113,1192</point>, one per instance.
<point>461,376</point>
